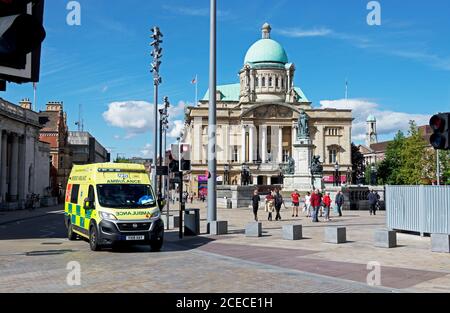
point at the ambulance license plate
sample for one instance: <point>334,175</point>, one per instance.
<point>132,238</point>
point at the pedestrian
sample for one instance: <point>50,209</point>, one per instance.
<point>373,199</point>
<point>278,203</point>
<point>321,202</point>
<point>339,200</point>
<point>269,205</point>
<point>192,198</point>
<point>307,208</point>
<point>315,203</point>
<point>327,205</point>
<point>255,202</point>
<point>295,196</point>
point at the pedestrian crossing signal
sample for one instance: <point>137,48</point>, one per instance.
<point>185,157</point>
<point>440,124</point>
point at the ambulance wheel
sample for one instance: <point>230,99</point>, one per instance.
<point>70,233</point>
<point>156,244</point>
<point>93,238</point>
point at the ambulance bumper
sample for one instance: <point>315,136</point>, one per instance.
<point>112,232</point>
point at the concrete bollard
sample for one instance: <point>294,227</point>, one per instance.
<point>336,235</point>
<point>218,228</point>
<point>292,232</point>
<point>253,229</point>
<point>440,243</point>
<point>174,221</point>
<point>385,238</point>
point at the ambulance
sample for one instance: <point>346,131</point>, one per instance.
<point>112,203</point>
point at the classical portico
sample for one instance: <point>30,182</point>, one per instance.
<point>257,121</point>
<point>24,160</point>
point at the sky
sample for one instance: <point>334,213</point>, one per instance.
<point>397,71</point>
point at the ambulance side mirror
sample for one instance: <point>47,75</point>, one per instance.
<point>89,204</point>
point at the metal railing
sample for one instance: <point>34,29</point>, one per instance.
<point>422,209</point>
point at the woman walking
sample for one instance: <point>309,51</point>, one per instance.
<point>327,205</point>
<point>295,196</point>
<point>255,202</point>
<point>270,205</point>
<point>308,204</point>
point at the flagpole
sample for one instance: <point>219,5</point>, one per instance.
<point>196,90</point>
<point>34,97</point>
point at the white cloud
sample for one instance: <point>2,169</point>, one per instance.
<point>147,151</point>
<point>135,117</point>
<point>189,11</point>
<point>175,129</point>
<point>299,32</point>
<point>388,122</point>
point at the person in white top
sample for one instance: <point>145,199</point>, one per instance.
<point>307,207</point>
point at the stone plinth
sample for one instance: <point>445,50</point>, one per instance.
<point>253,229</point>
<point>218,228</point>
<point>292,232</point>
<point>174,221</point>
<point>440,243</point>
<point>385,238</point>
<point>335,235</point>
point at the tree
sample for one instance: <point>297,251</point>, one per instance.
<point>388,170</point>
<point>357,163</point>
<point>122,160</point>
<point>445,166</point>
<point>414,158</point>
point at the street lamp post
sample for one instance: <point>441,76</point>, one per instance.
<point>337,177</point>
<point>226,177</point>
<point>212,117</point>
<point>156,54</point>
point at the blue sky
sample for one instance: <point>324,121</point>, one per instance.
<point>399,70</point>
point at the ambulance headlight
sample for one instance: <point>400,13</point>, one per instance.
<point>108,216</point>
<point>155,216</point>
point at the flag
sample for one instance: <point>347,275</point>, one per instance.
<point>194,81</point>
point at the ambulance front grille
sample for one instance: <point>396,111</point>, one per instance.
<point>133,226</point>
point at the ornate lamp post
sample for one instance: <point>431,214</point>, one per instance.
<point>337,177</point>
<point>226,179</point>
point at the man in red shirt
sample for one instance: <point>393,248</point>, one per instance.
<point>295,196</point>
<point>316,201</point>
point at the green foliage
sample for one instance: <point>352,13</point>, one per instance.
<point>122,160</point>
<point>388,169</point>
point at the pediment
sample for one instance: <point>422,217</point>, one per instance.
<point>270,111</point>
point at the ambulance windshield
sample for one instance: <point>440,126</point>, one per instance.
<point>125,196</point>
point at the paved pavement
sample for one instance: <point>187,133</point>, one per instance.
<point>34,256</point>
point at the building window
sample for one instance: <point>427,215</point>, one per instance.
<point>332,156</point>
<point>282,83</point>
<point>257,81</point>
<point>270,81</point>
<point>263,83</point>
<point>235,156</point>
<point>277,82</point>
<point>285,155</point>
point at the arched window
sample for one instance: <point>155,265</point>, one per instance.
<point>282,83</point>
<point>277,81</point>
<point>270,81</point>
<point>257,81</point>
<point>263,84</point>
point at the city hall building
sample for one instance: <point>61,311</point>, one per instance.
<point>257,122</point>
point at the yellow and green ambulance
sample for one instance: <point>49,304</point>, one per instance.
<point>112,203</point>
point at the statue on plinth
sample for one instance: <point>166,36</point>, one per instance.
<point>302,126</point>
<point>289,169</point>
<point>316,166</point>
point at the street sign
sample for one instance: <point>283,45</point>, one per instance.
<point>162,170</point>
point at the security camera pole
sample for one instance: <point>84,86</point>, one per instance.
<point>212,120</point>
<point>156,54</point>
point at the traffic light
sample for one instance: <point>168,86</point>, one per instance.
<point>185,157</point>
<point>174,166</point>
<point>440,124</point>
<point>21,36</point>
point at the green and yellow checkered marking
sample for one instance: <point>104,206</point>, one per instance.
<point>78,216</point>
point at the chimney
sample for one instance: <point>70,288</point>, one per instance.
<point>54,106</point>
<point>25,104</point>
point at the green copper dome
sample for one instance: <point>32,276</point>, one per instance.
<point>371,118</point>
<point>266,51</point>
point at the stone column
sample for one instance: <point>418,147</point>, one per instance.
<point>280,145</point>
<point>197,140</point>
<point>263,143</point>
<point>251,145</point>
<point>243,143</point>
<point>3,156</point>
<point>269,180</point>
<point>22,172</point>
<point>14,167</point>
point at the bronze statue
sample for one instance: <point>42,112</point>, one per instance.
<point>316,166</point>
<point>303,128</point>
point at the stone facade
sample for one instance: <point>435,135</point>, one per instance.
<point>24,160</point>
<point>257,123</point>
<point>55,132</point>
<point>86,149</point>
